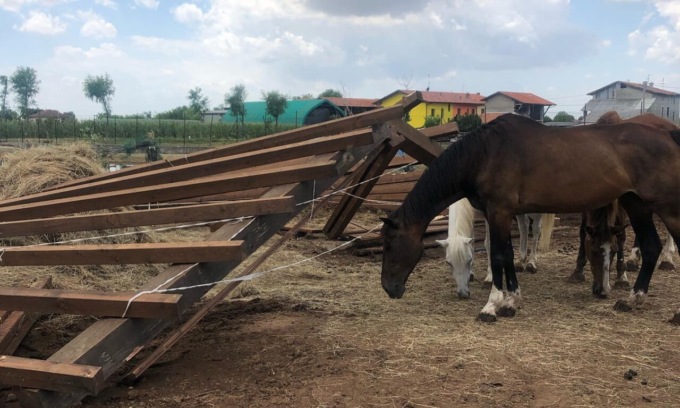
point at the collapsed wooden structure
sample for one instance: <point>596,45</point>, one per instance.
<point>261,184</point>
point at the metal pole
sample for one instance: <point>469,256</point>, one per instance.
<point>184,132</point>
<point>210,132</point>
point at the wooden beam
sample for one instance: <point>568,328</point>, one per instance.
<point>330,127</point>
<point>16,324</point>
<point>415,143</point>
<point>107,254</point>
<point>90,303</point>
<point>172,191</point>
<point>48,375</point>
<point>446,130</point>
<point>109,342</point>
<point>365,180</point>
<point>125,219</point>
<point>206,168</point>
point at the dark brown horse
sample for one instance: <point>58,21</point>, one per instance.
<point>515,165</point>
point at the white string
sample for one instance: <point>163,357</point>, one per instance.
<point>240,278</point>
<point>311,210</point>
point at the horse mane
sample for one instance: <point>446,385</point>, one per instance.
<point>463,219</point>
<point>446,176</point>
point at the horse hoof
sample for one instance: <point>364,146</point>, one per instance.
<point>519,268</point>
<point>576,277</point>
<point>486,318</point>
<point>622,285</point>
<point>531,269</point>
<point>632,266</point>
<point>623,306</point>
<point>487,285</point>
<point>675,321</point>
<point>666,266</point>
<point>506,311</point>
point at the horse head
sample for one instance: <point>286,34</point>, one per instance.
<point>402,249</point>
<point>601,247</point>
<point>459,256</point>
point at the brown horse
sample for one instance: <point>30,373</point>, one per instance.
<point>515,165</point>
<point>604,238</point>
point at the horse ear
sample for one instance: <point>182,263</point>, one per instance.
<point>442,242</point>
<point>590,231</point>
<point>617,229</point>
<point>388,221</point>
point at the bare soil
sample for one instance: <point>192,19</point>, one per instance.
<point>324,334</point>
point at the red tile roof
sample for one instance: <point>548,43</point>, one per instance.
<point>353,102</point>
<point>640,87</point>
<point>524,97</point>
<point>444,97</point>
<point>489,116</point>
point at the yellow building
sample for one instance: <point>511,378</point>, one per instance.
<point>444,105</point>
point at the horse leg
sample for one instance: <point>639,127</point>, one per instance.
<point>509,305</point>
<point>633,261</point>
<point>523,226</point>
<point>500,251</point>
<point>650,247</point>
<point>578,276</point>
<point>536,236</point>
<point>621,276</point>
<point>667,253</point>
<point>488,280</point>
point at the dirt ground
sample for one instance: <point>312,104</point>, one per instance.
<point>324,334</point>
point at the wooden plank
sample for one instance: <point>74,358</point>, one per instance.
<point>170,191</point>
<point>394,188</point>
<point>48,375</point>
<point>411,176</point>
<point>446,130</point>
<point>15,326</point>
<point>415,143</point>
<point>109,342</point>
<point>330,127</point>
<point>90,303</point>
<point>349,204</point>
<point>125,219</point>
<point>108,254</point>
<point>206,168</point>
<point>397,197</point>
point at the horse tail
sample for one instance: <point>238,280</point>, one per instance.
<point>547,226</point>
<point>675,134</point>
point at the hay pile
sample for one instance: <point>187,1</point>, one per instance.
<point>30,171</point>
<point>33,170</point>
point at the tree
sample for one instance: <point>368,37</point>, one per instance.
<point>197,101</point>
<point>431,121</point>
<point>546,119</point>
<point>330,93</point>
<point>25,85</point>
<point>276,104</point>
<point>303,96</point>
<point>100,89</point>
<point>236,100</point>
<point>468,123</point>
<point>3,92</point>
<point>563,116</point>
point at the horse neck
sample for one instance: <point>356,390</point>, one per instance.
<point>461,219</point>
<point>436,189</point>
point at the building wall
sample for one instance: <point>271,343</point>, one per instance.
<point>667,107</point>
<point>446,111</point>
<point>500,103</point>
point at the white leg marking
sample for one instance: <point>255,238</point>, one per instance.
<point>606,288</point>
<point>494,302</point>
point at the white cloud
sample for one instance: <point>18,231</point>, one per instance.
<point>187,13</point>
<point>661,42</point>
<point>42,23</point>
<point>96,27</point>
<point>150,4</point>
<point>107,3</point>
<point>162,45</point>
<point>11,5</point>
<point>16,5</point>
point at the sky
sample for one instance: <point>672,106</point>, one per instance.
<point>156,51</point>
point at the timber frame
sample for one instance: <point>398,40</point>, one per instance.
<point>260,184</point>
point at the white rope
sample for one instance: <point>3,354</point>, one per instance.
<point>240,278</point>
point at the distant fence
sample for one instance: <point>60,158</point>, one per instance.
<point>118,131</point>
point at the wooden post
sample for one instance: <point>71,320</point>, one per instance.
<point>48,375</point>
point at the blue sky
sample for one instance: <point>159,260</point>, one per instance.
<point>156,50</point>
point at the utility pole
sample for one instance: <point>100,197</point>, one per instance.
<point>644,93</point>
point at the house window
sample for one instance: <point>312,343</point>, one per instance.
<point>432,112</point>
<point>442,113</point>
<point>458,113</point>
<point>668,111</point>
